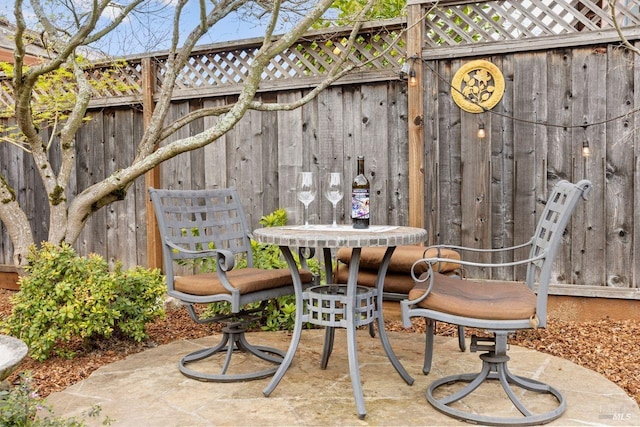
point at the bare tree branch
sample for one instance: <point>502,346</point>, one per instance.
<point>625,41</point>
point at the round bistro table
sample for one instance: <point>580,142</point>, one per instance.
<point>331,305</point>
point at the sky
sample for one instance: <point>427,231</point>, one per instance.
<point>132,40</point>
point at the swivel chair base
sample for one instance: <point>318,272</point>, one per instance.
<point>494,367</point>
<point>233,341</point>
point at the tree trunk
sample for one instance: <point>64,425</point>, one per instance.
<point>17,225</point>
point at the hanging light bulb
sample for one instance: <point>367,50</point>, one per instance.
<point>413,80</point>
<point>586,151</point>
<point>481,132</point>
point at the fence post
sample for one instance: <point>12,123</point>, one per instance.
<point>416,118</point>
<point>151,178</point>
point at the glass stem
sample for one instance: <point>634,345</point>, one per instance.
<point>306,215</point>
<point>335,224</point>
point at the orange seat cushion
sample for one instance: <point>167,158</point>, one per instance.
<point>478,300</point>
<point>246,280</point>
<point>393,282</point>
<point>402,259</point>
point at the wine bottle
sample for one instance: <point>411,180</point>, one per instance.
<point>360,197</point>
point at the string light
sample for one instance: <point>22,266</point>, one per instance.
<point>413,80</point>
<point>586,151</point>
<point>481,132</point>
<point>408,70</point>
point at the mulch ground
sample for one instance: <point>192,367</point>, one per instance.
<point>609,347</point>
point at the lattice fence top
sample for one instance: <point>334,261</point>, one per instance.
<point>459,24</point>
<point>310,57</point>
<point>220,69</point>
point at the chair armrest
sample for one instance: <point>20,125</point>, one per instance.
<point>224,258</point>
<point>225,261</point>
<point>469,249</point>
<point>432,261</point>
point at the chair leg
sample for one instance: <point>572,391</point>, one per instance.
<point>233,341</point>
<point>494,367</point>
<point>428,345</point>
<point>462,344</point>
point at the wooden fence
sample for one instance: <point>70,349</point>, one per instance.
<point>475,192</point>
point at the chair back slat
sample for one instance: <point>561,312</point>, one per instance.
<point>551,227</point>
<point>202,219</point>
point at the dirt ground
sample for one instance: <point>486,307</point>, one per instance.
<point>611,348</point>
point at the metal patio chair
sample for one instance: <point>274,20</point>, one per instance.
<point>210,224</point>
<point>499,308</point>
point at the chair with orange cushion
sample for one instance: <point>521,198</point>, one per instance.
<point>499,308</point>
<point>398,280</point>
<point>210,224</point>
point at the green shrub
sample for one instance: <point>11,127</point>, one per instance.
<point>20,404</point>
<point>65,297</point>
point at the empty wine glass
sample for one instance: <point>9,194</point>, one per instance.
<point>306,189</point>
<point>333,192</point>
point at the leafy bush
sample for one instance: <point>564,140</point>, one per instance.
<point>20,404</point>
<point>66,297</point>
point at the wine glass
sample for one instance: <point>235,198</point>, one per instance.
<point>333,191</point>
<point>306,189</point>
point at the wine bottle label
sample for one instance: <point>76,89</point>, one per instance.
<point>360,204</point>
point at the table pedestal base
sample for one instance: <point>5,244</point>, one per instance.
<point>346,306</point>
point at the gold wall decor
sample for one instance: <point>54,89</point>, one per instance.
<point>477,86</point>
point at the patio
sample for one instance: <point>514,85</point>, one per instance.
<point>147,389</point>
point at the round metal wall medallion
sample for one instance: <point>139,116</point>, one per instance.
<point>477,86</point>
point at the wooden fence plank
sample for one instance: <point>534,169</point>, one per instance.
<point>398,157</point>
<point>269,144</point>
<point>560,154</point>
<point>635,185</point>
<point>539,142</point>
<point>374,145</point>
<point>588,229</point>
<point>197,163</point>
<point>448,139</point>
<point>329,145</point>
<point>215,154</point>
<point>436,170</point>
<point>246,165</point>
<point>7,164</point>
<point>475,200</point>
<point>125,145</point>
<point>89,170</point>
<point>524,133</point>
<point>141,195</point>
<point>500,131</point>
<point>176,173</point>
<point>113,149</point>
<point>619,169</point>
<point>291,127</point>
<point>353,141</point>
